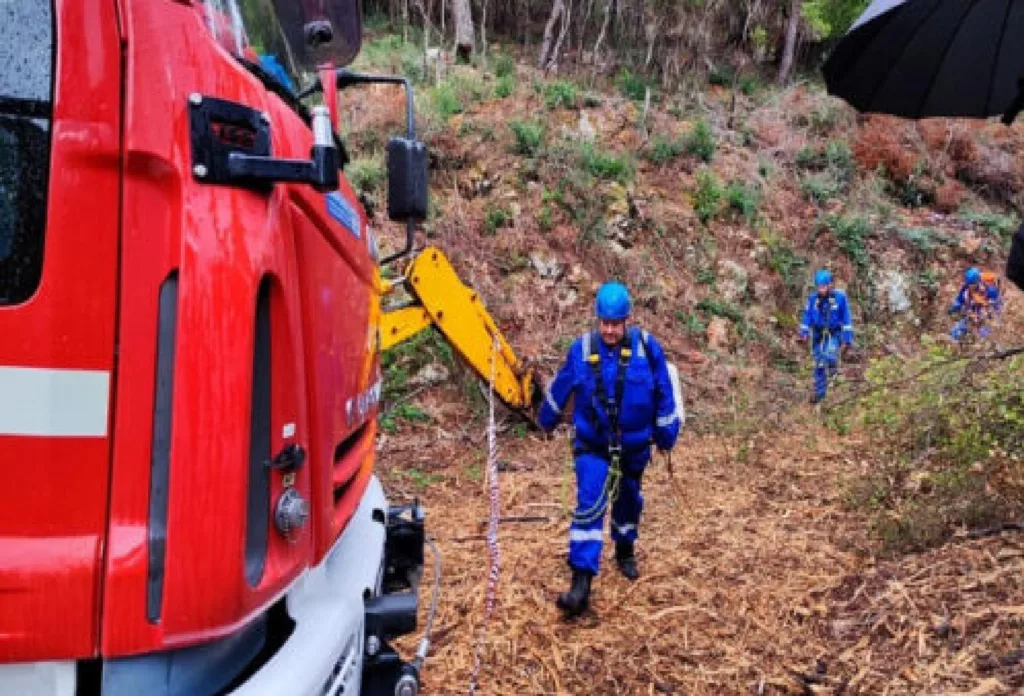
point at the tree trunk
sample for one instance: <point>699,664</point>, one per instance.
<point>483,27</point>
<point>464,38</point>
<point>557,9</point>
<point>557,50</point>
<point>557,12</point>
<point>604,32</point>
<point>789,48</point>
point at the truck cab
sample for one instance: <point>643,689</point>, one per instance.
<point>189,372</point>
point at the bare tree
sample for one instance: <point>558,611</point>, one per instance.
<point>462,14</point>
<point>548,48</point>
<point>789,48</point>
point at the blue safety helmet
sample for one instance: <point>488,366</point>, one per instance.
<point>613,302</point>
<point>822,277</point>
<point>972,276</point>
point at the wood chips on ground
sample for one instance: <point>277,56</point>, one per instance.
<point>755,580</point>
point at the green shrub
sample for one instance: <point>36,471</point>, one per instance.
<point>749,84</point>
<point>741,200</point>
<point>947,448</point>
<point>496,218</point>
<point>707,199</point>
<point>820,187</point>
<point>721,308</point>
<point>839,160</point>
<point>529,137</point>
<point>700,141</point>
<point>692,323</point>
<point>560,94</point>
<point>664,150</point>
<point>504,86</point>
<point>631,85</point>
<point>1002,226</point>
<point>504,66</point>
<point>367,174</point>
<point>852,232</point>
<point>721,75</point>
<point>605,165</point>
<point>925,239</point>
<point>446,101</point>
<point>784,260</point>
<point>808,157</point>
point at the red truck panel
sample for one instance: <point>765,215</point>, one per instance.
<point>52,522</point>
<point>220,242</point>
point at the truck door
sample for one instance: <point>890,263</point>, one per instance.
<point>59,188</point>
<point>211,371</point>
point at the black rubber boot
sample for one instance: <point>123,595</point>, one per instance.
<point>626,560</point>
<point>577,599</point>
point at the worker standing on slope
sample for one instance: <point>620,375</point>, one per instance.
<point>828,325</point>
<point>625,399</point>
<point>978,302</point>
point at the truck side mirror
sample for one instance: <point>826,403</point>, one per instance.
<point>407,180</point>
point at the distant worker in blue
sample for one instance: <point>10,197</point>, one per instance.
<point>828,326</point>
<point>978,302</point>
<point>626,398</point>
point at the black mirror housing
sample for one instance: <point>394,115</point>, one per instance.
<point>407,180</point>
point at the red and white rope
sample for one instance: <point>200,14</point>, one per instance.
<point>493,551</point>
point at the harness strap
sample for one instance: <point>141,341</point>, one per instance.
<point>610,491</point>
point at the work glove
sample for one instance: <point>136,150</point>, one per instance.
<point>952,310</point>
<point>537,395</point>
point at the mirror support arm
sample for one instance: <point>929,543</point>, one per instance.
<point>347,78</point>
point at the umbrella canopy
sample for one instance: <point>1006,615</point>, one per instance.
<point>925,58</point>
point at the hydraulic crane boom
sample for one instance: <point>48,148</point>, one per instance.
<point>441,299</point>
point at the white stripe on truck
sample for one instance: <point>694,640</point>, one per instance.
<point>41,402</point>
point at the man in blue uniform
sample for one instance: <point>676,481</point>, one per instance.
<point>827,324</point>
<point>977,303</point>
<point>623,403</point>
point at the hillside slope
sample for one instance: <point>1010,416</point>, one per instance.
<point>767,569</point>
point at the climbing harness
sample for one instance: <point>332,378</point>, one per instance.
<point>612,483</point>
<point>493,550</point>
<point>824,345</point>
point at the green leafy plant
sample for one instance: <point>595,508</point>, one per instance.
<point>529,137</point>
<point>605,165</point>
<point>504,86</point>
<point>950,427</point>
<point>707,199</point>
<point>560,94</point>
<point>663,150</point>
<point>700,142</point>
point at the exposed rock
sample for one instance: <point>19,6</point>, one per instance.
<point>718,334</point>
<point>897,291</point>
<point>547,266</point>
<point>430,375</point>
<point>586,128</point>
<point>733,280</point>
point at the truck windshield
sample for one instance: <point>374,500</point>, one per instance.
<point>251,29</point>
<point>26,95</point>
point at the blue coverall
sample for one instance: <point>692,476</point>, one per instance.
<point>827,322</point>
<point>964,300</point>
<point>647,414</point>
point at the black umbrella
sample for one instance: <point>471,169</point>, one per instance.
<point>925,58</point>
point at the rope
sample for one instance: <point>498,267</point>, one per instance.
<point>493,550</point>
<point>609,493</point>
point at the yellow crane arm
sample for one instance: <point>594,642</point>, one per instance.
<point>442,300</point>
